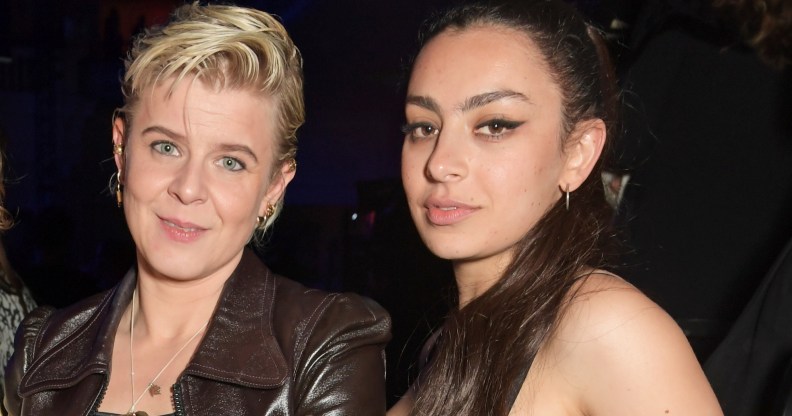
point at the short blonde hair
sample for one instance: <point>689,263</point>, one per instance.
<point>227,47</point>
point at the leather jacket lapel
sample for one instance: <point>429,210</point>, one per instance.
<point>239,346</point>
<point>85,350</point>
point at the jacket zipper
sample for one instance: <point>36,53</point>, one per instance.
<point>178,400</point>
<point>98,401</point>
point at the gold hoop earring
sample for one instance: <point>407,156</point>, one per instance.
<point>261,221</point>
<point>119,194</point>
<point>118,149</point>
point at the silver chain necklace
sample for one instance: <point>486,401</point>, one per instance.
<point>152,388</point>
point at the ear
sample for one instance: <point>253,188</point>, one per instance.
<point>582,152</point>
<point>119,126</point>
<point>278,185</point>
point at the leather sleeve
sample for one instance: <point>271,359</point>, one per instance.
<point>24,352</point>
<point>342,368</point>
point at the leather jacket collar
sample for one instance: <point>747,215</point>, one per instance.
<point>88,348</point>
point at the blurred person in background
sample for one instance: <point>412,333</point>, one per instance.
<point>16,300</point>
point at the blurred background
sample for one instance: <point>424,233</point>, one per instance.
<point>706,156</point>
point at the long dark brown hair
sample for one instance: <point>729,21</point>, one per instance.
<point>484,348</point>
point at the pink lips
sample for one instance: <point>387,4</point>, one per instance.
<point>446,212</point>
<point>183,232</point>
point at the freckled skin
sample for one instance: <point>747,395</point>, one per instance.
<point>614,352</point>
<point>509,179</point>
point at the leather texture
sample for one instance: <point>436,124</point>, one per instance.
<point>273,347</point>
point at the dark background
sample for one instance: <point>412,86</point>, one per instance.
<point>716,201</point>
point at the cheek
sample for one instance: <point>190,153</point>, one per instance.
<point>140,177</point>
<point>147,181</point>
<point>231,203</point>
<point>240,201</point>
<point>531,182</point>
<point>410,188</point>
<point>411,172</point>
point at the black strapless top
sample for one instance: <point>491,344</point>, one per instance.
<point>426,357</point>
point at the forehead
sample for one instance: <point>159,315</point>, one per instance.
<point>176,89</point>
<point>463,62</point>
<point>191,107</point>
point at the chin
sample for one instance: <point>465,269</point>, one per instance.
<point>165,261</point>
<point>183,269</point>
<point>445,250</point>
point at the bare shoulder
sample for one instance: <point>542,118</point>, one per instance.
<point>604,306</point>
<point>623,355</point>
<point>403,406</point>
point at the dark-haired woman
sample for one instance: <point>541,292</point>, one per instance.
<point>508,110</point>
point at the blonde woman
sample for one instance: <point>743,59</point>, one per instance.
<point>205,148</point>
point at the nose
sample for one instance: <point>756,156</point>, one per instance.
<point>448,160</point>
<point>188,184</point>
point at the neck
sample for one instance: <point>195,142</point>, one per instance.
<point>172,309</point>
<point>476,277</point>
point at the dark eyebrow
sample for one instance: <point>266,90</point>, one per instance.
<point>471,103</point>
<point>481,100</point>
<point>424,102</point>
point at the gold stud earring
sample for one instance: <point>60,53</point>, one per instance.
<point>118,149</point>
<point>292,164</point>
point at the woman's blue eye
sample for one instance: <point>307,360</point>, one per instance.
<point>166,148</point>
<point>232,164</point>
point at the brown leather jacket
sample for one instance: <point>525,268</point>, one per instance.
<point>273,347</point>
